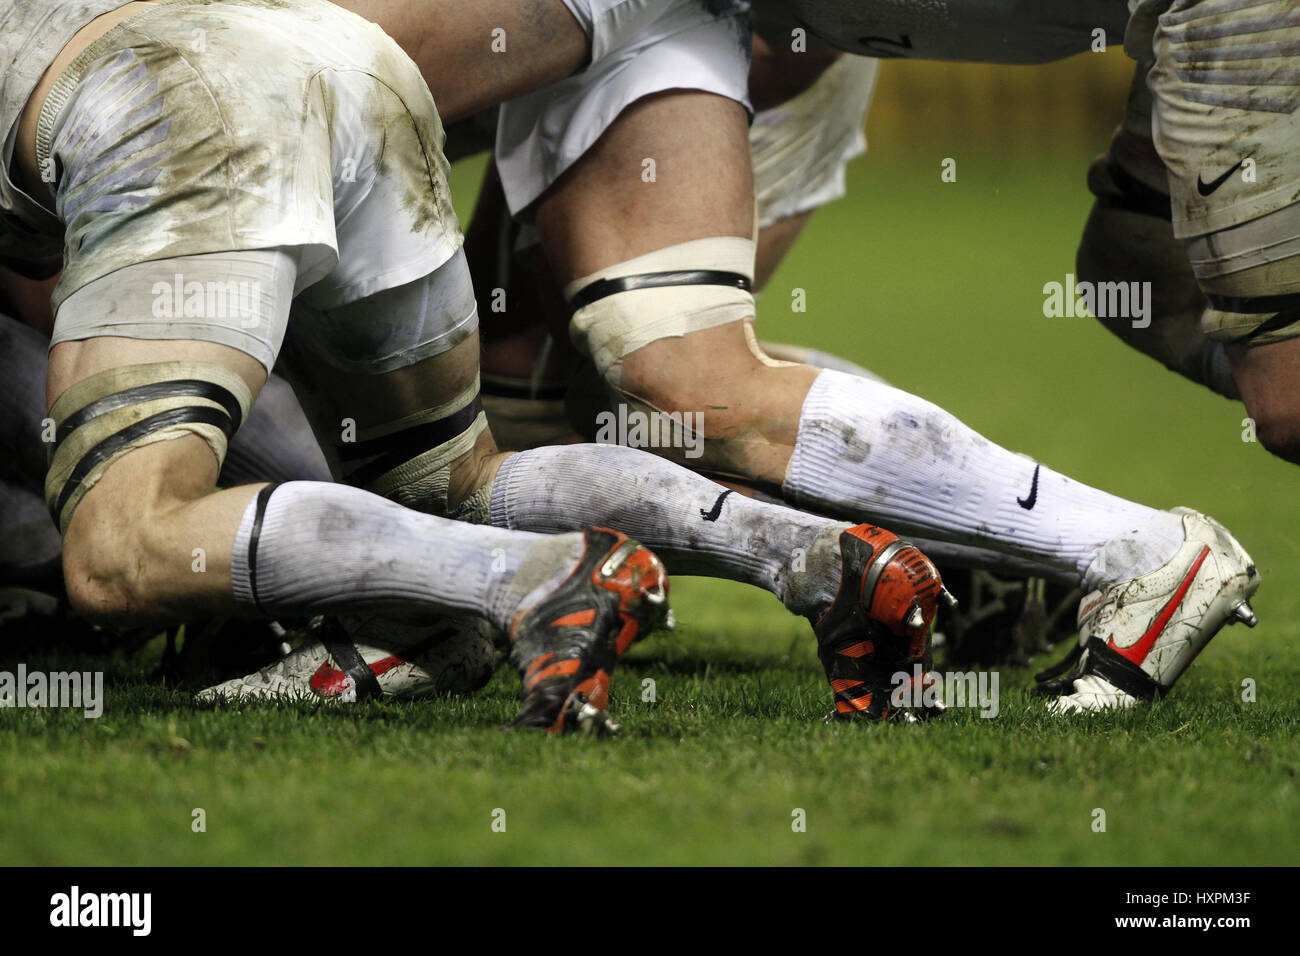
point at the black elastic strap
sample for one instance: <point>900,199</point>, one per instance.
<point>1111,666</point>
<point>110,446</point>
<point>1279,321</point>
<point>400,447</point>
<point>182,388</point>
<point>349,659</point>
<point>254,537</point>
<point>654,280</point>
<point>1256,305</point>
<point>1060,667</point>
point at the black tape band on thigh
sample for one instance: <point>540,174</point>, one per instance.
<point>1259,305</point>
<point>400,447</point>
<point>110,446</point>
<point>186,388</point>
<point>602,288</point>
<point>254,537</point>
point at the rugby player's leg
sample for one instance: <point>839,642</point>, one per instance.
<point>153,539</point>
<point>145,396</point>
<point>443,459</point>
<point>1223,96</point>
<point>394,377</point>
<point>823,440</point>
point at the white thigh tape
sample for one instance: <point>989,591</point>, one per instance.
<point>684,288</point>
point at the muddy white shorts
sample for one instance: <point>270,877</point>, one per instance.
<point>1224,89</point>
<point>199,128</point>
<point>801,147</point>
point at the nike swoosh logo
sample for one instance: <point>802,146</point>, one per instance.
<point>1138,651</point>
<point>717,507</point>
<point>1206,189</point>
<point>1028,503</point>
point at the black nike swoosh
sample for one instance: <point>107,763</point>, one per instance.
<point>1028,503</point>
<point>717,507</point>
<point>1206,189</point>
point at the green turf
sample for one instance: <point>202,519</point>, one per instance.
<point>937,286</point>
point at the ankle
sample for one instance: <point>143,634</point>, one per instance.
<point>810,578</point>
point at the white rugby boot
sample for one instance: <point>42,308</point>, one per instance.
<point>1137,636</point>
<point>373,657</point>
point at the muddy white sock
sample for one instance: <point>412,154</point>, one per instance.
<point>322,548</point>
<point>871,452</point>
<point>695,525</point>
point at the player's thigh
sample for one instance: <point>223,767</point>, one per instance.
<point>391,383</point>
<point>153,369</point>
<point>672,168</point>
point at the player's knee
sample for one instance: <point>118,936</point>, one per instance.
<point>1277,426</point>
<point>671,334</point>
<point>690,372</point>
<point>668,326</point>
<point>96,568</point>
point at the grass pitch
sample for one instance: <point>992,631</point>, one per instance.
<point>938,286</point>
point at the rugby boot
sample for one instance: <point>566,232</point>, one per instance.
<point>878,626</point>
<point>1137,636</point>
<point>567,644</point>
<point>369,657</point>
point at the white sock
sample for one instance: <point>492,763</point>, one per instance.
<point>696,526</point>
<point>868,451</point>
<point>325,548</point>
